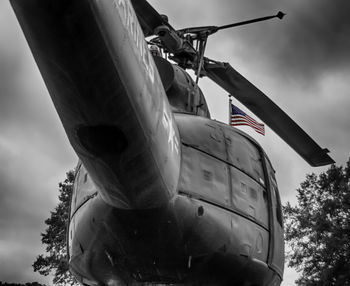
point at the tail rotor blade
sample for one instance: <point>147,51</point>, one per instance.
<point>249,95</point>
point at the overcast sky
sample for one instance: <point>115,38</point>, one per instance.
<point>301,62</point>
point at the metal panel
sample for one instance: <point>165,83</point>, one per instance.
<point>248,196</point>
<point>244,154</point>
<point>260,250</point>
<point>83,189</point>
<point>204,176</point>
<point>202,134</point>
<point>277,258</point>
<point>223,231</point>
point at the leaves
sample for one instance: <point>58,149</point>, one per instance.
<point>318,228</point>
<point>54,238</point>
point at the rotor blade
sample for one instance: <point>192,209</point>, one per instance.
<point>244,91</point>
<point>213,29</point>
<point>200,29</point>
<point>148,17</point>
<point>279,15</point>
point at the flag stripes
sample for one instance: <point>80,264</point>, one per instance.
<point>238,117</point>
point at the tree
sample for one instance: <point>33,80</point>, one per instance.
<point>55,237</point>
<point>318,228</point>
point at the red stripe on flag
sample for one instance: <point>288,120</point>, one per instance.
<point>237,120</point>
<point>242,118</point>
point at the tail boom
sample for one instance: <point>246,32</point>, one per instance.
<point>108,94</point>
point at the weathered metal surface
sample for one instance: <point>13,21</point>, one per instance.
<point>276,260</point>
<point>173,244</point>
<point>79,47</point>
<point>183,93</point>
<point>206,234</point>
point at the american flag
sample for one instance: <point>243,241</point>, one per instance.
<point>238,117</point>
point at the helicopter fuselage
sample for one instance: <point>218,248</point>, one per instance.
<point>223,227</point>
<point>163,194</point>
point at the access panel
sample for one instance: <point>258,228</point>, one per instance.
<point>204,176</point>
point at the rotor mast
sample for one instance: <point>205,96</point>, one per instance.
<point>180,43</point>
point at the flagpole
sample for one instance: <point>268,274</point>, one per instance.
<point>229,109</point>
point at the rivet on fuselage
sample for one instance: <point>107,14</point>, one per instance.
<point>200,211</point>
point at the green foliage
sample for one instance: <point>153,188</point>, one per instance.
<point>54,238</point>
<point>318,228</point>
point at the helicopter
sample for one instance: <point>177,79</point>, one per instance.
<point>163,194</point>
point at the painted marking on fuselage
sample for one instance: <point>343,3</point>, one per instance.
<point>168,124</point>
<point>129,18</point>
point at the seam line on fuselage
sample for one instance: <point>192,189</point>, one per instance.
<point>235,211</point>
<point>86,199</point>
<point>225,161</point>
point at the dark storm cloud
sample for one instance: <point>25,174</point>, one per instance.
<point>313,39</point>
<point>26,110</point>
<point>319,37</point>
<point>28,192</point>
<point>15,272</point>
<point>34,154</point>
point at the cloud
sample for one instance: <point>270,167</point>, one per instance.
<point>34,154</point>
<point>29,190</point>
<point>21,257</point>
<point>318,39</point>
<point>310,41</point>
